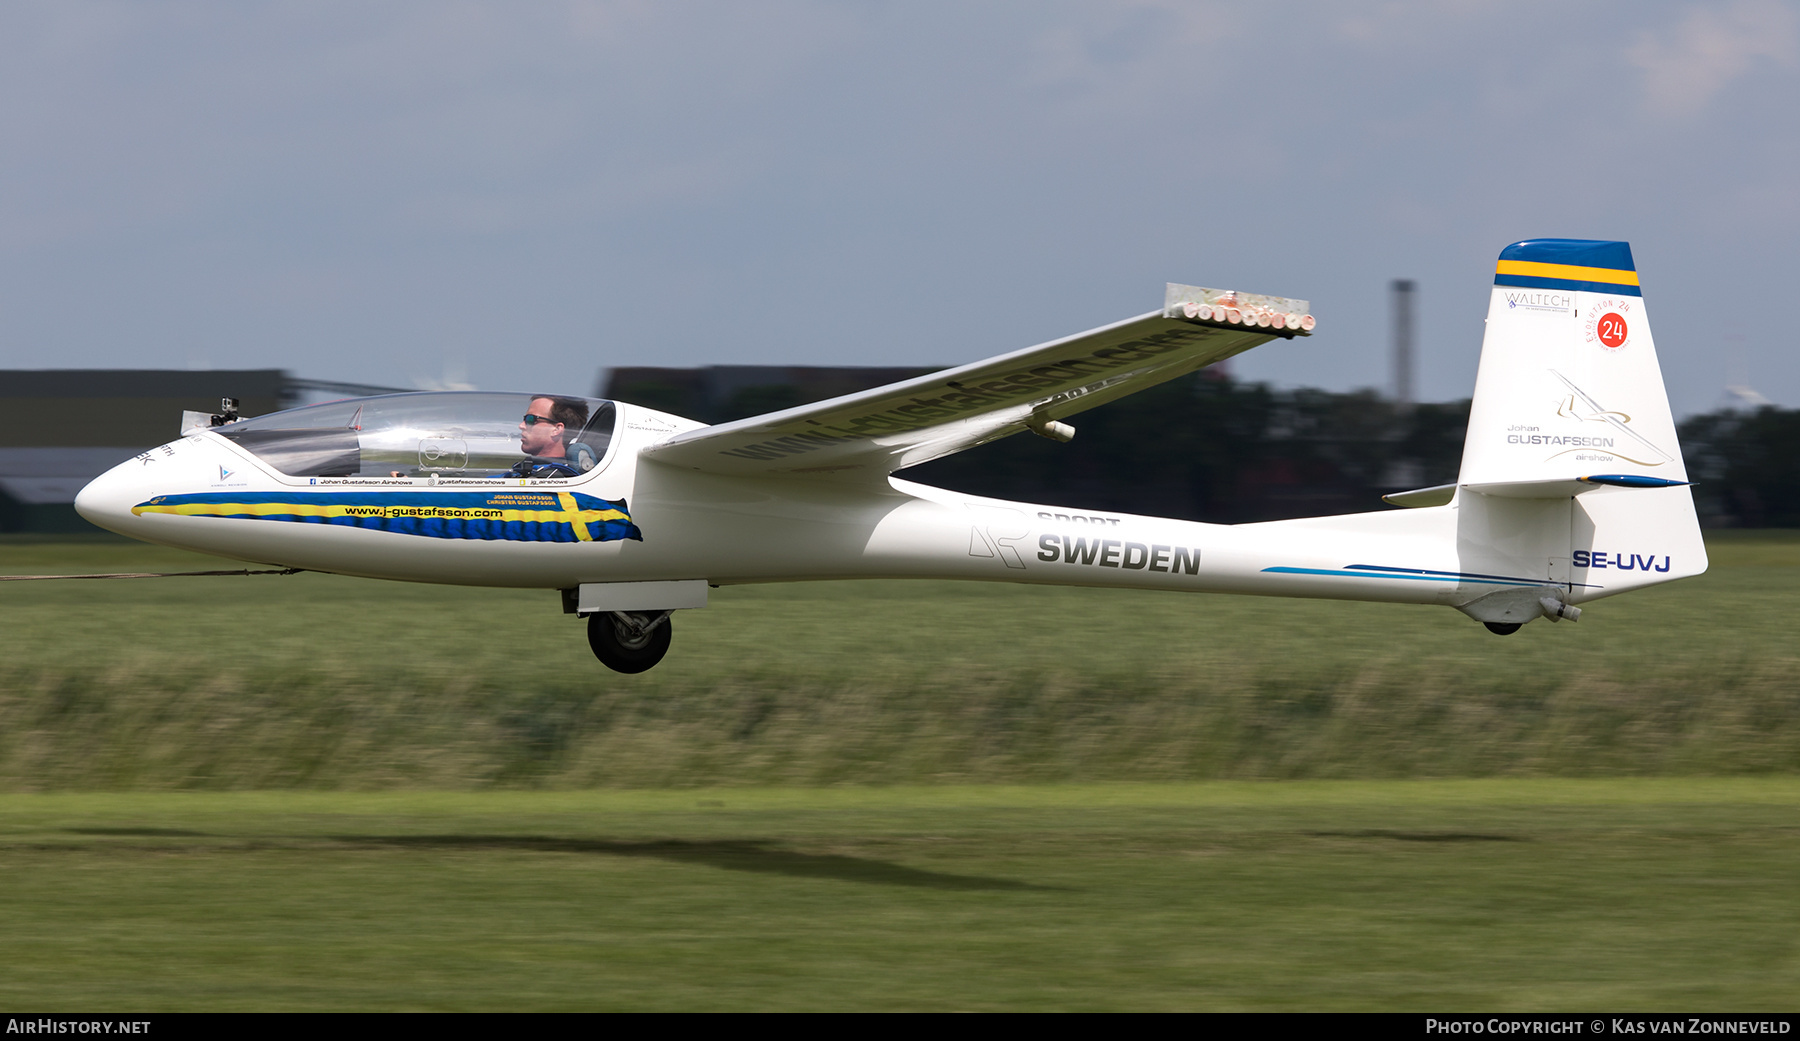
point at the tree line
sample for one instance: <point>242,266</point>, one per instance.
<point>1209,448</point>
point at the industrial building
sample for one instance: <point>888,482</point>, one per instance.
<point>61,428</point>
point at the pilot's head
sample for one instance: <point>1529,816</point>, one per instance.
<point>542,431</point>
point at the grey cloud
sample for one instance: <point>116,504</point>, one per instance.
<point>1686,65</point>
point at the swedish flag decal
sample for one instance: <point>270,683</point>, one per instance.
<point>512,516</point>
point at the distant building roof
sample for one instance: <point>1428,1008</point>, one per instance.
<point>142,383</point>
<point>61,428</point>
<point>117,407</point>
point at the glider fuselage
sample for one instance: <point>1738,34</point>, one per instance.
<point>1571,488</point>
<point>728,530</point>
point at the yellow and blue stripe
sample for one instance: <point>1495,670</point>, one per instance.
<point>1583,265</point>
<point>511,516</point>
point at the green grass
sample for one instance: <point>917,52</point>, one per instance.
<point>314,681</point>
<point>322,793</point>
<point>1466,895</point>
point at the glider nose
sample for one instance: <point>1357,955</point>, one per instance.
<point>107,500</point>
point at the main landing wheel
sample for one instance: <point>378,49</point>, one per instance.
<point>629,642</point>
<point>1497,628</point>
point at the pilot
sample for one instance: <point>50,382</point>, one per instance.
<point>544,433</point>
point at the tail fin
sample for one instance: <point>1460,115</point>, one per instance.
<point>1571,450</point>
<point>1569,384</point>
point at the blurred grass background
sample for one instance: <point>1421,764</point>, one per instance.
<point>321,682</point>
<point>1499,894</point>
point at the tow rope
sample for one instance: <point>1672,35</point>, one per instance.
<point>154,574</point>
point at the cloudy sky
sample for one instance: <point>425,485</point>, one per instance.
<point>512,194</point>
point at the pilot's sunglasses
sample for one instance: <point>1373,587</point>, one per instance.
<point>531,420</point>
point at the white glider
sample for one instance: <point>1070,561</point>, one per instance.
<point>1572,486</point>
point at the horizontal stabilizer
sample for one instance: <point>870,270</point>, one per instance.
<point>1437,495</point>
<point>1444,494</point>
<point>1631,481</point>
<point>1564,488</point>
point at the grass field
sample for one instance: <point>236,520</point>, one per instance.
<point>1467,895</point>
<point>315,681</point>
<point>216,798</point>
<point>324,793</point>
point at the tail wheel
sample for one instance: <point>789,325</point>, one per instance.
<point>627,641</point>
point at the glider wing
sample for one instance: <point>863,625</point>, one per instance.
<point>875,432</point>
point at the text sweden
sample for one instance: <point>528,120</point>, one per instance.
<point>1132,556</point>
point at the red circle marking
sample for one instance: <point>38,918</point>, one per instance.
<point>1611,329</point>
